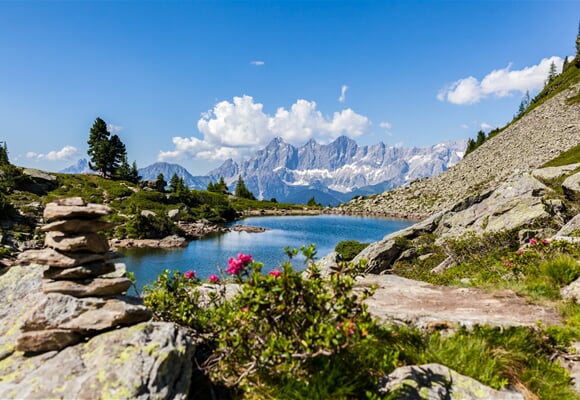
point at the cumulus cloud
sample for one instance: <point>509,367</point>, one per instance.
<point>499,83</point>
<point>464,126</point>
<point>257,63</point>
<point>64,154</point>
<point>385,125</point>
<point>485,126</point>
<point>114,128</point>
<point>342,96</point>
<point>240,127</point>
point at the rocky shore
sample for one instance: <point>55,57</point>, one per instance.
<point>193,231</point>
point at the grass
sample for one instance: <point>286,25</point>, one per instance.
<point>570,156</point>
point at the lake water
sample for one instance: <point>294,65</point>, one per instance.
<point>206,255</point>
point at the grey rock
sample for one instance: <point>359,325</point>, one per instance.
<point>78,226</point>
<point>54,211</point>
<point>89,242</point>
<point>571,226</point>
<point>81,272</point>
<point>571,292</point>
<point>56,259</point>
<point>514,204</point>
<point>88,287</point>
<point>173,214</point>
<point>571,187</point>
<point>405,301</point>
<point>436,381</point>
<point>554,172</point>
<point>449,262</point>
<point>88,315</point>
<point>144,361</point>
<point>148,213</point>
<point>120,271</point>
<point>47,340</point>
<point>151,360</point>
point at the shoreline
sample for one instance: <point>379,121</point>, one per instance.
<point>201,229</point>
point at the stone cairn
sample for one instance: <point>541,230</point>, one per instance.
<point>84,288</point>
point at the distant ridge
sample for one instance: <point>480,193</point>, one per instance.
<point>337,171</point>
<point>80,167</point>
<point>167,169</point>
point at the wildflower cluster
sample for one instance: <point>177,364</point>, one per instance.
<point>237,266</point>
<point>277,323</point>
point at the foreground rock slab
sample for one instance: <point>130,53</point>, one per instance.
<point>436,381</point>
<point>146,361</point>
<point>423,305</point>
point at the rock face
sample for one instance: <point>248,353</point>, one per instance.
<point>571,187</point>
<point>525,145</point>
<point>436,381</point>
<point>79,273</point>
<point>519,203</point>
<point>422,305</point>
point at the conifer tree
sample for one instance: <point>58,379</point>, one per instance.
<point>106,152</point>
<point>4,154</point>
<point>470,146</point>
<point>480,138</point>
<point>552,73</point>
<point>242,191</point>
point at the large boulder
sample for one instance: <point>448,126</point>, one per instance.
<point>436,381</point>
<point>422,305</point>
<point>516,203</point>
<point>571,187</point>
<point>147,360</point>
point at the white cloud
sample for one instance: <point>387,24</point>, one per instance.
<point>485,126</point>
<point>499,83</point>
<point>385,125</point>
<point>240,127</point>
<point>342,96</point>
<point>464,126</point>
<point>114,128</point>
<point>66,153</point>
<point>257,63</point>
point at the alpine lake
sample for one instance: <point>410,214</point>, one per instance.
<point>210,254</point>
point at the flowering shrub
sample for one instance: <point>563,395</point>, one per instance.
<point>277,323</point>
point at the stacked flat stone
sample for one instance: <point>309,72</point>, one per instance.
<point>84,288</point>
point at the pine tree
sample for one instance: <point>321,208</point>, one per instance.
<point>470,146</point>
<point>242,191</point>
<point>176,184</point>
<point>552,73</point>
<point>107,153</point>
<point>480,138</point>
<point>161,183</point>
<point>4,154</point>
<point>211,187</point>
<point>565,64</point>
<point>134,174</point>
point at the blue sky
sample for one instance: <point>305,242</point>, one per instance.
<point>198,82</point>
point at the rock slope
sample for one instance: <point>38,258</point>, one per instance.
<point>528,143</point>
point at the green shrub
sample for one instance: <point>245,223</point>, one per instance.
<point>349,249</point>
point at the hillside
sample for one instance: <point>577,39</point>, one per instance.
<point>539,136</point>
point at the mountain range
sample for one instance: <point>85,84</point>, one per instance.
<point>331,173</point>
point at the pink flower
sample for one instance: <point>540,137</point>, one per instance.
<point>509,264</point>
<point>519,252</point>
<point>533,241</point>
<point>245,258</point>
<point>214,278</point>
<point>235,266</point>
<point>275,273</point>
<point>545,241</point>
<point>190,275</point>
<point>245,309</point>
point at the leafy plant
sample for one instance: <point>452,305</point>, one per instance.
<point>349,249</point>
